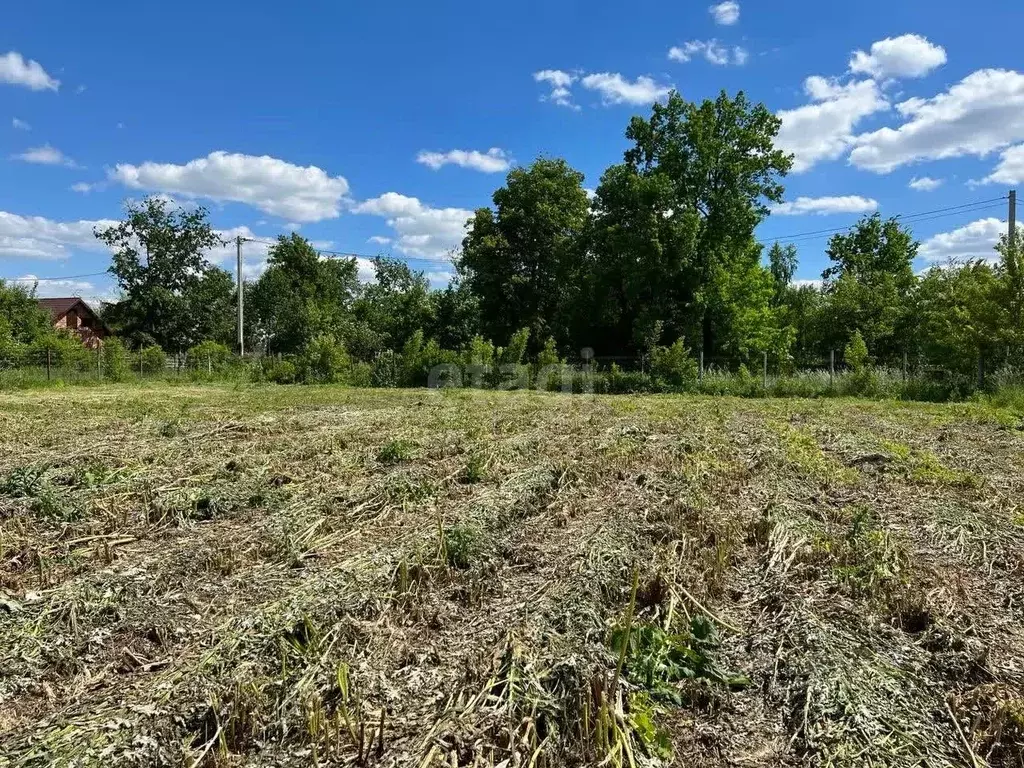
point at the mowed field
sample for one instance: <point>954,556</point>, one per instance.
<point>209,576</point>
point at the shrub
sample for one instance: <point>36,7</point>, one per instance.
<point>673,365</point>
<point>116,365</point>
<point>324,360</point>
<point>280,372</point>
<point>862,379</point>
<point>208,356</point>
<point>152,359</point>
<point>387,370</point>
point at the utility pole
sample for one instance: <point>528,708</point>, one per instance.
<point>1011,219</point>
<point>241,291</point>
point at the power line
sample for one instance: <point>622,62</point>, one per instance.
<point>50,279</point>
<point>916,218</point>
<point>951,211</point>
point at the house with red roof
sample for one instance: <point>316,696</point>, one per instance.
<point>74,315</point>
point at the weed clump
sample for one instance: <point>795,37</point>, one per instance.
<point>395,452</point>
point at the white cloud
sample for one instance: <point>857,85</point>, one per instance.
<point>726,13</point>
<point>1010,169</point>
<point>903,56</point>
<point>816,282</point>
<point>34,237</point>
<point>379,240</point>
<point>83,187</point>
<point>46,155</point>
<point>712,50</point>
<point>823,129</point>
<point>21,125</point>
<point>366,272</point>
<point>439,278</point>
<point>494,160</point>
<point>421,230</point>
<point>924,184</point>
<point>54,288</point>
<point>973,241</point>
<point>15,70</point>
<point>267,183</point>
<point>560,81</point>
<point>982,113</point>
<point>822,206</point>
<point>615,89</point>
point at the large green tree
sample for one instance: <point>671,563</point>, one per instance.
<point>302,296</point>
<point>21,318</point>
<point>522,258</point>
<point>869,285</point>
<point>673,242</point>
<point>171,294</point>
<point>396,304</point>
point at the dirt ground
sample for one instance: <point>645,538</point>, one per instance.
<point>211,576</point>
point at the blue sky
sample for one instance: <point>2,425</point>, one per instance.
<point>377,127</point>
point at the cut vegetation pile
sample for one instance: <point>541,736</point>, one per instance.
<point>320,576</point>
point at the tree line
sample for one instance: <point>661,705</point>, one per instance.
<point>661,263</point>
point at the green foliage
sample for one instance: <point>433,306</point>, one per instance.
<point>323,360</point>
<point>460,546</point>
<point>208,357</point>
<point>673,365</point>
<point>21,319</point>
<point>116,362</point>
<point>657,659</point>
<point>524,257</point>
<point>171,295</point>
<point>395,452</point>
<point>281,372</point>
<point>301,297</point>
<point>387,370</point>
<point>153,359</point>
<point>856,354</point>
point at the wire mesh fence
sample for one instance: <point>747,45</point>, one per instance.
<point>909,377</point>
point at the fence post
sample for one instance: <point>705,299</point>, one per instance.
<point>764,368</point>
<point>47,365</point>
<point>99,364</point>
<point>981,371</point>
<point>209,365</point>
<point>700,370</point>
<point>140,362</point>
<point>831,368</point>
<point>904,366</point>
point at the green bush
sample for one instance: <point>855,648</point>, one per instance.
<point>65,351</point>
<point>387,370</point>
<point>673,365</point>
<point>280,372</point>
<point>209,357</point>
<point>861,379</point>
<point>152,359</point>
<point>116,363</point>
<point>324,360</point>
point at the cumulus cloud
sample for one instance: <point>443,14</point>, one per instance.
<point>20,125</point>
<point>46,155</point>
<point>924,184</point>
<point>50,288</point>
<point>726,13</point>
<point>271,185</point>
<point>494,160</point>
<point>421,230</point>
<point>1010,169</point>
<point>973,241</point>
<point>560,82</point>
<point>712,50</point>
<point>15,70</point>
<point>379,240</point>
<point>35,237</point>
<point>982,113</point>
<point>83,187</point>
<point>615,89</point>
<point>823,129</point>
<point>903,56</point>
<point>822,206</point>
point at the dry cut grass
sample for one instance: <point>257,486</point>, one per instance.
<point>213,576</point>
